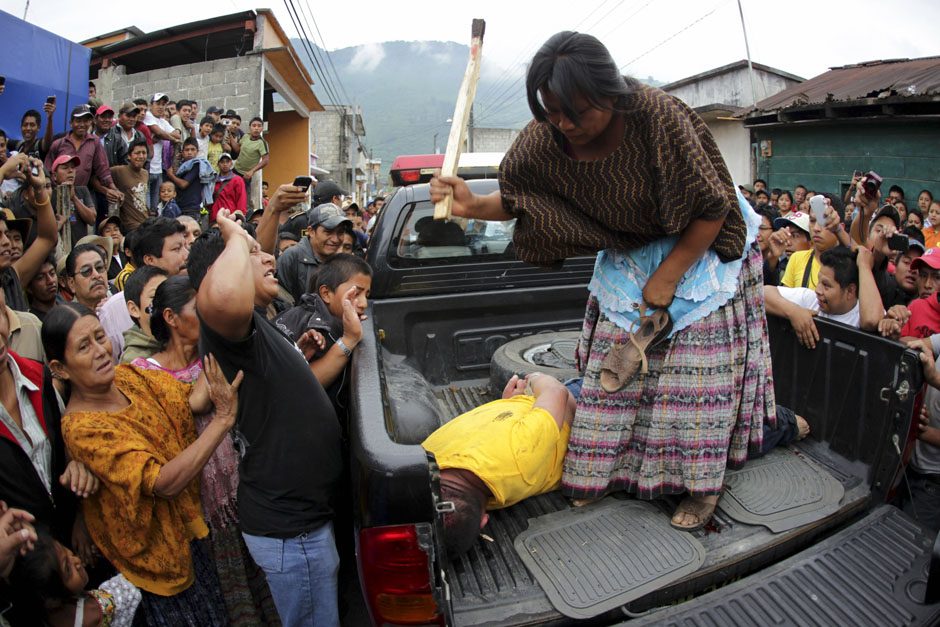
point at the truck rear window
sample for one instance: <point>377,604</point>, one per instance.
<point>422,237</point>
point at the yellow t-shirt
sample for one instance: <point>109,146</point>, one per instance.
<point>793,277</point>
<point>515,448</point>
<point>215,151</point>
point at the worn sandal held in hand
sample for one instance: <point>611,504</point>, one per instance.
<point>700,509</point>
<point>625,359</point>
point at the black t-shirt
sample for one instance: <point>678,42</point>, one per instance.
<point>889,290</point>
<point>189,200</point>
<point>286,428</point>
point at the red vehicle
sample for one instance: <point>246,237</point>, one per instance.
<point>413,169</point>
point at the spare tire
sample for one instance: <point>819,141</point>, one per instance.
<point>549,353</point>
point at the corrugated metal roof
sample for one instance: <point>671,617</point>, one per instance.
<point>873,79</point>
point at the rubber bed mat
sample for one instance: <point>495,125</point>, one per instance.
<point>782,490</point>
<point>592,559</point>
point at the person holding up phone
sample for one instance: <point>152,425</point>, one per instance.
<point>32,144</point>
<point>803,267</point>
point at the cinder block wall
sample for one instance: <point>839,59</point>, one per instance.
<point>233,83</point>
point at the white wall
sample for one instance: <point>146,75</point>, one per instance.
<point>735,143</point>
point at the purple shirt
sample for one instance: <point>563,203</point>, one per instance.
<point>90,153</point>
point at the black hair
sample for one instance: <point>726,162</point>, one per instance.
<point>127,245</point>
<point>202,254</point>
<point>901,202</point>
<point>916,211</point>
<point>172,294</point>
<point>799,186</point>
<point>254,119</point>
<point>835,203</point>
<point>844,266</point>
<point>72,259</point>
<point>191,141</point>
<point>897,188</point>
<point>92,84</point>
<point>3,133</point>
<point>152,233</point>
<point>140,101</point>
<point>462,526</point>
<point>923,191</point>
<point>217,128</point>
<point>136,280</point>
<point>914,233</point>
<point>776,191</point>
<point>235,117</point>
<point>756,181</point>
<point>174,103</point>
<point>208,120</point>
<point>282,235</point>
<point>764,192</point>
<point>135,144</point>
<point>37,579</point>
<point>788,195</point>
<point>32,113</point>
<point>572,63</point>
<point>767,210</point>
<point>56,325</point>
<point>336,271</point>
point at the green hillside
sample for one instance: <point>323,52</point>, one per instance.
<point>407,91</point>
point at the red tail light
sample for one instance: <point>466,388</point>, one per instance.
<point>395,579</point>
<point>410,176</point>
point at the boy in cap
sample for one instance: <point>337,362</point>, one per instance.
<point>925,311</point>
<point>229,192</point>
<point>72,203</point>
<point>104,120</point>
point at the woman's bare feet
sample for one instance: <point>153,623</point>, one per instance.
<point>583,502</point>
<point>694,512</point>
<point>802,428</point>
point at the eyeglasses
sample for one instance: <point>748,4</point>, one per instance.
<point>86,271</point>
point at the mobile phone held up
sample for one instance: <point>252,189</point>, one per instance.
<point>817,205</point>
<point>899,242</point>
<point>50,100</point>
<point>303,182</point>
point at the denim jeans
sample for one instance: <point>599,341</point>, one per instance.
<point>301,573</point>
<point>154,190</point>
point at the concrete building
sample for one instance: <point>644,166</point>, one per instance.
<point>493,139</point>
<point>236,61</point>
<point>336,134</point>
<point>877,115</point>
<point>719,94</point>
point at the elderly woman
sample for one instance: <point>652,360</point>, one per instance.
<point>134,430</point>
<point>674,345</point>
<point>175,327</point>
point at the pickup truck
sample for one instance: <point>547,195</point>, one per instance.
<point>447,296</point>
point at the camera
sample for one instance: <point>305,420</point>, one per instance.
<point>871,184</point>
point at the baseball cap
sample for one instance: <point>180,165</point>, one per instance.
<point>748,188</point>
<point>103,109</point>
<point>129,107</point>
<point>23,225</point>
<point>109,220</point>
<point>913,243</point>
<point>213,109</point>
<point>797,218</point>
<point>159,96</point>
<point>930,258</point>
<point>66,159</point>
<point>890,211</point>
<point>81,111</point>
<point>328,215</point>
<point>225,155</point>
<point>229,114</point>
<point>327,189</point>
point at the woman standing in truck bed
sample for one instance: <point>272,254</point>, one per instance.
<point>674,345</point>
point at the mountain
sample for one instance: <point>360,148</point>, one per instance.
<point>407,91</point>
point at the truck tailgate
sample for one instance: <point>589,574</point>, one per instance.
<point>871,573</point>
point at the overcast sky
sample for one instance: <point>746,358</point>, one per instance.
<point>666,39</point>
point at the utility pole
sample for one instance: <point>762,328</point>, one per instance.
<point>747,49</point>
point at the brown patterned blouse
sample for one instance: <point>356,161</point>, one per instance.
<point>667,172</point>
<point>146,537</point>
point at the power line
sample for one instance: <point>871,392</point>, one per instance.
<point>674,35</point>
<point>327,53</point>
<point>302,33</point>
<point>627,19</point>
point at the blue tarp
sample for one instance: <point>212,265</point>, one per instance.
<point>38,64</point>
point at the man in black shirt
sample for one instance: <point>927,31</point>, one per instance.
<point>286,428</point>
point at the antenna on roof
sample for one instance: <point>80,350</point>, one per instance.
<point>747,49</point>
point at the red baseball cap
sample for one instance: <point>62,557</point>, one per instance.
<point>930,258</point>
<point>66,159</point>
<point>104,109</point>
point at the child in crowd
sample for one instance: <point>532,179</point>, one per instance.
<point>252,156</point>
<point>215,148</point>
<point>202,137</point>
<point>167,206</point>
<point>52,580</point>
<point>326,324</point>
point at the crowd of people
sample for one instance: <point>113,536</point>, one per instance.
<point>146,479</point>
<point>173,353</point>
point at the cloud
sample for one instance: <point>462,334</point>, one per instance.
<point>426,49</point>
<point>367,57</point>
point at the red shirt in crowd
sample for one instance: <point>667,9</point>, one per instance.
<point>233,197</point>
<point>925,317</point>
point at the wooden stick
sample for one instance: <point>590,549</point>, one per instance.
<point>458,126</point>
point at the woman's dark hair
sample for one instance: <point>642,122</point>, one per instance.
<point>56,326</point>
<point>572,63</point>
<point>462,526</point>
<point>917,212</point>
<point>767,210</point>
<point>172,294</point>
<point>925,191</point>
<point>788,195</point>
<point>36,579</point>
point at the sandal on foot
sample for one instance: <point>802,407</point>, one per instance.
<point>623,360</point>
<point>700,509</point>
